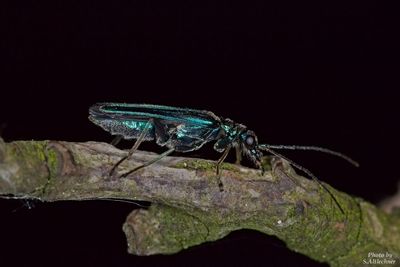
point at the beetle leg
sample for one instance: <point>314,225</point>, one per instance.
<point>134,148</point>
<point>166,153</point>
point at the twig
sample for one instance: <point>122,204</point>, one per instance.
<point>188,207</point>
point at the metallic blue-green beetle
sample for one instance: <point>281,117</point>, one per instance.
<point>179,129</point>
<point>184,130</point>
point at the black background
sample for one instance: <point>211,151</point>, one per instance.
<point>294,72</point>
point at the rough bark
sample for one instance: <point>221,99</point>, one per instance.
<point>188,207</point>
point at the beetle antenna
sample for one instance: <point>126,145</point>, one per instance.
<point>301,168</point>
<point>314,148</point>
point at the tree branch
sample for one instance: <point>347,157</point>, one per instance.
<point>188,207</point>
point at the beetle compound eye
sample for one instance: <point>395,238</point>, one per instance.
<point>250,140</point>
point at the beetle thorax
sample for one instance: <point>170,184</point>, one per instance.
<point>230,133</point>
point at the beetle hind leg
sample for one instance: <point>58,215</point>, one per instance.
<point>133,149</point>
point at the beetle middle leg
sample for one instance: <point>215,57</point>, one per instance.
<point>219,164</point>
<point>238,155</point>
